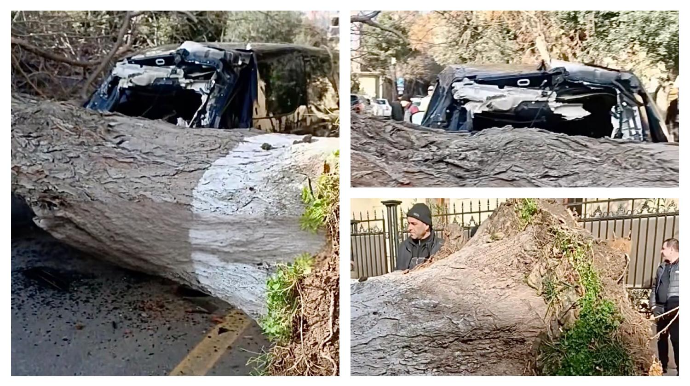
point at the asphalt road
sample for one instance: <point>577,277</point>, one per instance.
<point>76,315</point>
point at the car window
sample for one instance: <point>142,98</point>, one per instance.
<point>286,83</point>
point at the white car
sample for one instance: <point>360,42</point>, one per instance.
<point>381,108</point>
<point>417,118</point>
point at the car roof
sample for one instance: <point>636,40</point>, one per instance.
<point>260,49</point>
<point>585,72</point>
<point>477,69</point>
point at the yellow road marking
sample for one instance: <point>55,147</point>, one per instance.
<point>205,355</point>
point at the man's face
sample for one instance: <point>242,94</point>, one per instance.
<point>668,253</point>
<point>416,228</point>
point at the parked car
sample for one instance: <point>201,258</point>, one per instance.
<point>561,97</point>
<point>382,108</point>
<point>357,104</point>
<point>418,117</point>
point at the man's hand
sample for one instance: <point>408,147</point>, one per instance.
<point>657,310</point>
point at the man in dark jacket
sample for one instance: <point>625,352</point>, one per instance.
<point>664,298</point>
<point>397,111</point>
<point>422,243</point>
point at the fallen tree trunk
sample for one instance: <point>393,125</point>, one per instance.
<point>484,310</point>
<point>386,153</point>
<point>216,209</point>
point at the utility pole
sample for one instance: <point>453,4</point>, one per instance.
<point>394,79</point>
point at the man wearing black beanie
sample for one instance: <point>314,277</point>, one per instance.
<point>422,243</point>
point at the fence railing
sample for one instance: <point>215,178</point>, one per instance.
<point>646,222</point>
<point>368,245</point>
<point>375,240</point>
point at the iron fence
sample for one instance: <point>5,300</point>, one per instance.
<point>442,215</point>
<point>644,222</point>
<point>368,246</point>
<point>374,241</point>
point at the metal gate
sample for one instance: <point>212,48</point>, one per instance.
<point>647,222</point>
<point>368,246</point>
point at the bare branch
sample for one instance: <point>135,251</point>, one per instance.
<point>111,54</point>
<point>364,17</point>
<point>189,15</point>
<point>49,55</point>
<point>26,76</point>
<point>369,20</point>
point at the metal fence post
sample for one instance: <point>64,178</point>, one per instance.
<point>353,231</point>
<point>393,230</point>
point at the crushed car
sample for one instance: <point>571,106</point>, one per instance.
<point>222,85</point>
<point>561,97</point>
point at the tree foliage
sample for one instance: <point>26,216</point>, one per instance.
<point>646,42</point>
<point>381,50</point>
<point>641,35</point>
<point>262,26</point>
<point>379,47</point>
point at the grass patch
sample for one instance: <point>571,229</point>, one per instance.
<point>260,364</point>
<point>550,289</point>
<point>590,346</point>
<point>284,287</point>
<point>321,201</point>
<point>526,209</point>
<point>282,299</point>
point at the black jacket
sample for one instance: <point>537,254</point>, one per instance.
<point>414,252</point>
<point>673,287</point>
<point>397,111</point>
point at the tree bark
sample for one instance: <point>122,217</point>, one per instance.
<point>216,209</point>
<point>391,154</point>
<point>473,312</point>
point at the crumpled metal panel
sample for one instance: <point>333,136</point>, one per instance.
<point>185,68</point>
<point>488,88</point>
<point>480,98</point>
